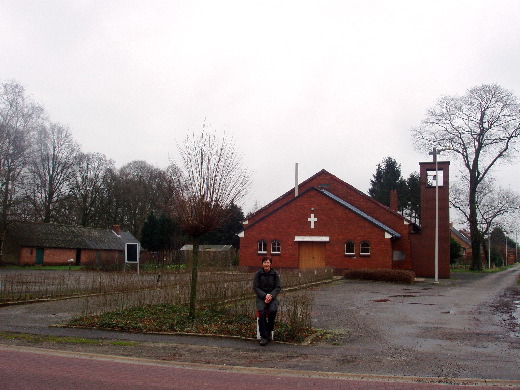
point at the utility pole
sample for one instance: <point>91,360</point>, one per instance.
<point>435,152</point>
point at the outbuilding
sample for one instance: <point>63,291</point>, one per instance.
<point>28,243</point>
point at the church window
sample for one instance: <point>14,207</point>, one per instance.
<point>350,248</point>
<point>262,246</point>
<point>276,246</point>
<point>364,248</point>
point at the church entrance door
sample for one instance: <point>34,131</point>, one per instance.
<point>311,254</point>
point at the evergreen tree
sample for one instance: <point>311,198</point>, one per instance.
<point>387,178</point>
<point>226,234</point>
<point>159,233</point>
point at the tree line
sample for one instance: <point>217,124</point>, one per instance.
<point>46,177</point>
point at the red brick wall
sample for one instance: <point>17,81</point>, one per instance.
<point>61,256</point>
<point>334,221</point>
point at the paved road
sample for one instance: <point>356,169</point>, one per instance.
<point>42,369</point>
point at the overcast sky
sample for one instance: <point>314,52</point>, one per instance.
<point>333,85</point>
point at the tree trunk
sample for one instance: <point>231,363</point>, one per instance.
<point>476,261</point>
<point>194,274</point>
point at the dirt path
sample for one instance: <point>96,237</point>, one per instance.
<point>452,330</point>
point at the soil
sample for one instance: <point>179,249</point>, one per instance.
<point>465,327</point>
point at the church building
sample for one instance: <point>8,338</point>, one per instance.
<point>325,222</point>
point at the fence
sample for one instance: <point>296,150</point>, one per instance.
<point>108,291</point>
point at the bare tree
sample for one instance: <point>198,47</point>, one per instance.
<point>208,181</point>
<point>89,188</point>
<point>496,207</point>
<point>481,128</point>
<point>140,193</point>
<point>51,172</point>
<point>19,116</point>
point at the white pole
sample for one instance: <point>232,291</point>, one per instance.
<point>489,251</point>
<point>436,218</point>
<point>505,261</point>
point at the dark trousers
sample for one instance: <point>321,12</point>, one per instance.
<point>266,322</point>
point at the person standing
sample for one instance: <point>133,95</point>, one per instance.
<point>267,286</point>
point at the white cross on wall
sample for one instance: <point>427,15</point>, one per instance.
<point>312,220</point>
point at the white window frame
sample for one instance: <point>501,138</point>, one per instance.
<point>361,249</point>
<point>353,248</point>
<point>273,244</point>
<point>264,244</point>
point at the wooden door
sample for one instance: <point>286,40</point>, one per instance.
<point>311,254</point>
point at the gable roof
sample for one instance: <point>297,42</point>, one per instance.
<point>362,214</point>
<point>304,183</point>
<point>48,235</point>
<point>461,236</point>
<point>342,202</point>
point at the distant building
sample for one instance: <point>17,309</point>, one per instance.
<point>462,237</point>
<point>29,243</point>
<point>209,248</point>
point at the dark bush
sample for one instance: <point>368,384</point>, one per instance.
<point>381,275</point>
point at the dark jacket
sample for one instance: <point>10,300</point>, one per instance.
<point>266,283</point>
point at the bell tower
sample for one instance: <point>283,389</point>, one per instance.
<point>435,221</point>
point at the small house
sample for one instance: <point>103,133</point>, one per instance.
<point>28,243</point>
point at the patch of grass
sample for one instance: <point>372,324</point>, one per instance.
<point>176,319</point>
<point>46,267</point>
<point>125,343</point>
<point>462,269</point>
<point>34,338</point>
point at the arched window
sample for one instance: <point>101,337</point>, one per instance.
<point>350,248</point>
<point>364,248</point>
<point>262,246</point>
<point>275,246</point>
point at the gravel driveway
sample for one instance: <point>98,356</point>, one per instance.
<point>460,328</point>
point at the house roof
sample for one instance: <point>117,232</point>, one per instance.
<point>343,203</point>
<point>461,236</point>
<point>47,235</point>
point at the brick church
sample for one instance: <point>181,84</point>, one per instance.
<point>325,222</point>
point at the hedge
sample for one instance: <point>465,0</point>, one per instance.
<point>381,275</point>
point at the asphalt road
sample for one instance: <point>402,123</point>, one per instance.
<point>462,331</point>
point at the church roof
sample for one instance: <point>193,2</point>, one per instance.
<point>343,203</point>
<point>362,214</point>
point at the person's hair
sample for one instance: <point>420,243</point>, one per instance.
<point>267,258</point>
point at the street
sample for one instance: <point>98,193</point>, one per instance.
<point>35,369</point>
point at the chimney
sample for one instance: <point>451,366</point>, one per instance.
<point>117,229</point>
<point>394,200</point>
<point>296,180</point>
